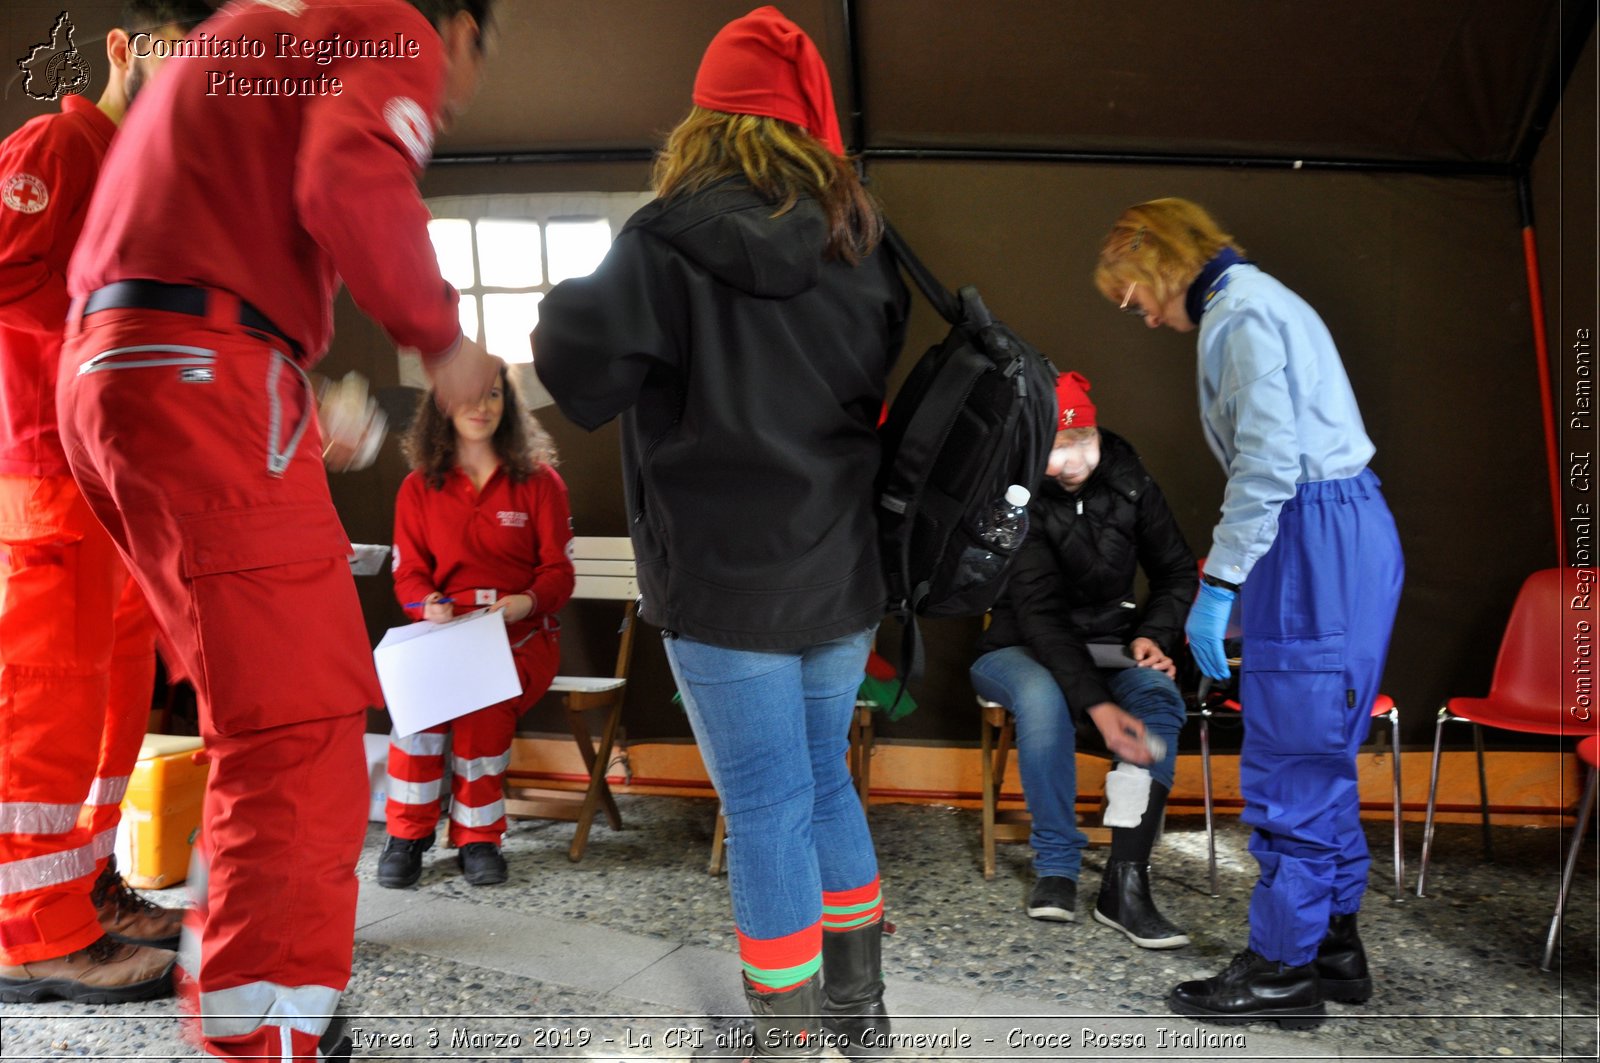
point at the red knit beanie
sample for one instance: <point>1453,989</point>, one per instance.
<point>764,64</point>
<point>1072,398</point>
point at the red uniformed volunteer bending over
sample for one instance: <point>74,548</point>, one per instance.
<point>202,292</point>
<point>481,520</point>
<point>77,643</point>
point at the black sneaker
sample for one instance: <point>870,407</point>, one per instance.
<point>401,863</point>
<point>482,864</point>
<point>1054,897</point>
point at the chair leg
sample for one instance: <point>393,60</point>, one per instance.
<point>716,866</point>
<point>862,751</point>
<point>1399,844</point>
<point>598,794</point>
<point>1483,793</point>
<point>1585,807</point>
<point>1205,783</point>
<point>1433,793</point>
<point>987,770</point>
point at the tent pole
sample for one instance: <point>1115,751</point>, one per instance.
<point>858,109</point>
<point>1541,351</point>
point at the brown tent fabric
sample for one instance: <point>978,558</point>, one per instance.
<point>1003,136</point>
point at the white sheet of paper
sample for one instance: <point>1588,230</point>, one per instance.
<point>432,673</point>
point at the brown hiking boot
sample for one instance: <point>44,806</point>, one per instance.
<point>128,917</point>
<point>102,972</point>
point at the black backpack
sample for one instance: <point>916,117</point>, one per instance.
<point>976,414</point>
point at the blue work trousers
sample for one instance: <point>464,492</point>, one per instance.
<point>1318,610</point>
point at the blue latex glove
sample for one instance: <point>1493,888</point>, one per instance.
<point>1208,621</point>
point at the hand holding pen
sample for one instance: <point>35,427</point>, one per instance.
<point>436,607</point>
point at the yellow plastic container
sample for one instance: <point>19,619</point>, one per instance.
<point>161,811</point>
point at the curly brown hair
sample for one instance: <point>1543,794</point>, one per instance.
<point>520,441</point>
<point>781,162</point>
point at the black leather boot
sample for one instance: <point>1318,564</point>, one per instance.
<point>1255,989</point>
<point>852,986</point>
<point>1125,904</point>
<point>787,1025</point>
<point>1342,963</point>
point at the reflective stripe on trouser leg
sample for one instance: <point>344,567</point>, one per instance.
<point>285,818</point>
<point>1318,611</point>
<point>50,917</point>
<point>480,747</point>
<point>59,576</point>
<point>415,781</point>
<point>133,679</point>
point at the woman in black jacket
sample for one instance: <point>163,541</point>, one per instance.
<point>1068,604</point>
<point>743,328</point>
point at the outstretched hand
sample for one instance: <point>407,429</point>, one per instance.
<point>463,379</point>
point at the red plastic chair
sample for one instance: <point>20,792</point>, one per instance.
<point>1589,756</point>
<point>1525,693</point>
<point>1382,706</point>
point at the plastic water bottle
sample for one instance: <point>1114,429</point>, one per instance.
<point>1006,525</point>
<point>995,537</point>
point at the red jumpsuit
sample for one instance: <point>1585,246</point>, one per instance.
<point>192,431</point>
<point>77,644</point>
<point>476,547</point>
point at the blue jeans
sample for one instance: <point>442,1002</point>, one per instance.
<point>773,728</point>
<point>1047,742</point>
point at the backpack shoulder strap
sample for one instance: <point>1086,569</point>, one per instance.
<point>948,306</point>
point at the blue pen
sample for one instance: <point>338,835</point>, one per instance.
<point>436,601</point>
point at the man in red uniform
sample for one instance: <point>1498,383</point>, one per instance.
<point>77,643</point>
<point>272,173</point>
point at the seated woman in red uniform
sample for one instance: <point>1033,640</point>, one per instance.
<point>482,520</point>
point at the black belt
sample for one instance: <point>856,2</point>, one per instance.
<point>176,299</point>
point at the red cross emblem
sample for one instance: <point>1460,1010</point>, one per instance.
<point>25,194</point>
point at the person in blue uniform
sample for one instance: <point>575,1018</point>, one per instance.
<point>1308,549</point>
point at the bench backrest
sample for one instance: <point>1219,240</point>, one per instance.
<point>603,565</point>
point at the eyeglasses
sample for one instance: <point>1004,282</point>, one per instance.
<point>1127,297</point>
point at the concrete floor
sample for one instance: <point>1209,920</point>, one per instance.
<point>630,951</point>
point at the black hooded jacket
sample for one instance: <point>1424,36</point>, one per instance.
<point>1073,581</point>
<point>749,371</point>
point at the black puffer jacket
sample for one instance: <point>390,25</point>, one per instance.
<point>749,372</point>
<point>1073,582</point>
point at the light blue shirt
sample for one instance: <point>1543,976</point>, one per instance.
<point>1277,408</point>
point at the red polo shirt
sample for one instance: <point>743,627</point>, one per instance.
<point>47,172</point>
<point>274,177</point>
<point>510,538</point>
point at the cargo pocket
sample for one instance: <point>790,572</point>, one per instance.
<point>1296,695</point>
<point>277,628</point>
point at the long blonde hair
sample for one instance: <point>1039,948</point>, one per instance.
<point>1162,244</point>
<point>781,161</point>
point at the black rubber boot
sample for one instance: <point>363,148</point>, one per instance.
<point>852,986</point>
<point>1342,963</point>
<point>1124,903</point>
<point>1255,989</point>
<point>788,1025</point>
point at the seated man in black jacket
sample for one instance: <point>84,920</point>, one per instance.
<point>1091,526</point>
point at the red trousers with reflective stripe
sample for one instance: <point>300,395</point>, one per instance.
<point>479,748</point>
<point>197,445</point>
<point>77,666</point>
